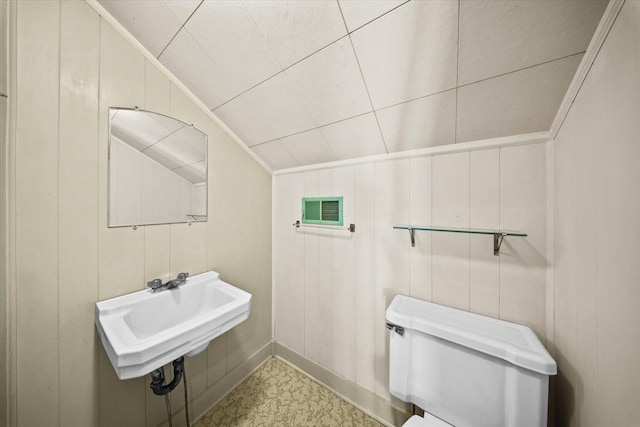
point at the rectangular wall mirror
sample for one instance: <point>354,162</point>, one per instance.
<point>157,169</point>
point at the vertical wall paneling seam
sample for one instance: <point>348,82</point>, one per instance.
<point>143,230</point>
<point>375,277</point>
<point>354,283</point>
<point>455,125</point>
<point>468,202</point>
<point>499,222</point>
<point>274,288</point>
<point>550,278</point>
<point>303,275</point>
<point>550,262</point>
<point>597,310</point>
<point>97,231</point>
<point>411,221</point>
<point>11,263</point>
<point>431,220</point>
<point>58,198</point>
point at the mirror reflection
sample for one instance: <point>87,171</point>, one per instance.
<point>157,169</point>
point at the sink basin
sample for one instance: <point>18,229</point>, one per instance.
<point>143,331</point>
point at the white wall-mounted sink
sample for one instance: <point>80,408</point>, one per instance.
<point>143,331</point>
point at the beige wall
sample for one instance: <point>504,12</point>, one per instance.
<point>4,307</point>
<point>332,288</point>
<point>597,240</point>
<point>71,65</point>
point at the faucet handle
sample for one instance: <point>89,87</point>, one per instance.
<point>154,284</point>
<point>183,276</point>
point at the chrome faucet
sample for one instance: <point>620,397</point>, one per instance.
<point>156,285</point>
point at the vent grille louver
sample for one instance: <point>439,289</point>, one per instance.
<point>331,210</point>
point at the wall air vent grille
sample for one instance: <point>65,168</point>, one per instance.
<point>322,210</point>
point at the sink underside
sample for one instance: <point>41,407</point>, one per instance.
<point>143,331</point>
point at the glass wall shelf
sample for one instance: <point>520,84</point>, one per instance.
<point>498,235</point>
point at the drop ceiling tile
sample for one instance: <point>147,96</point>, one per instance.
<point>295,29</point>
<point>517,103</point>
<point>276,155</point>
<point>330,84</point>
<point>410,52</point>
<point>425,122</point>
<point>150,22</point>
<point>182,9</point>
<point>227,34</point>
<point>278,103</point>
<point>356,137</point>
<point>245,121</point>
<point>358,13</point>
<point>498,37</point>
<point>189,62</point>
<point>309,147</point>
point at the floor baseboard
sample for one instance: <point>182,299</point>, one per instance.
<point>363,399</point>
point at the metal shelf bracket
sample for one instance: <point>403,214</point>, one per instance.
<point>497,242</point>
<point>412,233</point>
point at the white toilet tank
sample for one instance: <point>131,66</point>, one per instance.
<point>467,369</point>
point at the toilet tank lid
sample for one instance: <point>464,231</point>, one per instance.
<point>512,342</point>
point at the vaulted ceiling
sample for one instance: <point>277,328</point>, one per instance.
<point>305,82</point>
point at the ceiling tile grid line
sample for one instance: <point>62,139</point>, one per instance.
<point>414,74</point>
<point>521,69</point>
<point>331,84</point>
<point>479,81</point>
<point>179,29</point>
<point>310,54</point>
<point>228,35</point>
<point>344,21</point>
<point>318,127</point>
<point>359,28</point>
<point>283,72</point>
<point>275,75</point>
<point>406,102</point>
<point>266,42</point>
<point>400,3</point>
<point>368,93</point>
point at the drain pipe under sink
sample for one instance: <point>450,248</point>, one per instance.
<point>160,388</point>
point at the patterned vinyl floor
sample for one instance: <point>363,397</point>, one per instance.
<point>278,395</point>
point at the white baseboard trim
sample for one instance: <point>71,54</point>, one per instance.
<point>363,399</point>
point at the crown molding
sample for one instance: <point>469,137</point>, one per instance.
<point>606,22</point>
<point>485,144</point>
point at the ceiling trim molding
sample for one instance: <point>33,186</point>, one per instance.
<point>485,144</point>
<point>606,22</point>
<point>174,80</point>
